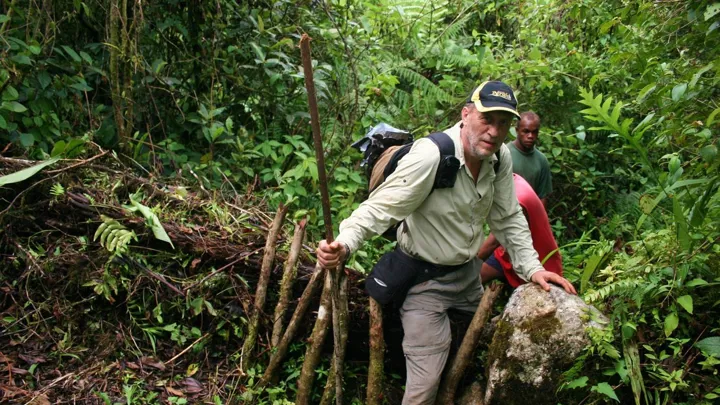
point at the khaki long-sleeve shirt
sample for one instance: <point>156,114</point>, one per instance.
<point>445,226</point>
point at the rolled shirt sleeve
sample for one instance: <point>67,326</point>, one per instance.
<point>509,225</point>
<point>396,198</point>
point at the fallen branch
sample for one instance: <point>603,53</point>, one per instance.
<point>289,274</point>
<point>83,162</point>
<point>129,260</point>
<point>317,339</point>
<point>446,394</point>
<point>261,291</point>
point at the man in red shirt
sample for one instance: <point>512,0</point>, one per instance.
<point>497,261</point>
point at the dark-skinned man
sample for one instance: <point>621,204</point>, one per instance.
<point>529,162</point>
<point>441,231</point>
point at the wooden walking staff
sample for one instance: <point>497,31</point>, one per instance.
<point>339,300</point>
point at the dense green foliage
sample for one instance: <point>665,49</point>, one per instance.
<point>212,94</point>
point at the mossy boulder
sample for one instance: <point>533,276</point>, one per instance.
<point>538,337</point>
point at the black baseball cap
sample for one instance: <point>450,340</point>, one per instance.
<point>494,96</point>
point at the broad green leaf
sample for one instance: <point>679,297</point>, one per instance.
<point>648,204</point>
<point>10,93</point>
<point>4,18</point>
<point>710,346</point>
<point>628,330</point>
<point>82,86</point>
<point>72,53</point>
<point>44,79</point>
<point>699,74</point>
<point>21,59</point>
<point>27,140</point>
<point>645,92</point>
<point>708,153</point>
<point>13,106</point>
<point>591,265</point>
<point>86,57</point>
<point>3,123</point>
<point>605,389</point>
<point>696,282</point>
<point>671,323</point>
<point>686,302</point>
<point>699,209</point>
<point>258,51</point>
<point>535,54</point>
<point>25,174</point>
<point>679,91</point>
<point>151,219</point>
<point>577,383</point>
<point>711,117</point>
<point>711,11</point>
<point>157,65</point>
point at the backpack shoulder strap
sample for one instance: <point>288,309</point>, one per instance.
<point>449,164</point>
<point>444,143</point>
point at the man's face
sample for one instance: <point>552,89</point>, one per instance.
<point>484,132</point>
<point>527,132</point>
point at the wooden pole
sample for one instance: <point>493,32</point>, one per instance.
<point>261,291</point>
<point>282,347</point>
<point>339,307</point>
<point>289,274</point>
<point>314,349</point>
<point>446,395</point>
<point>377,355</point>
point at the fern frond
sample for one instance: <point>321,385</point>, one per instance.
<point>57,190</point>
<point>621,287</point>
<point>114,236</point>
<point>457,27</point>
<point>428,89</point>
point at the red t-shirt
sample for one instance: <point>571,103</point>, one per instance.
<point>542,236</point>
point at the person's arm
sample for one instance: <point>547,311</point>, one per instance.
<point>391,202</point>
<point>491,243</point>
<point>545,181</point>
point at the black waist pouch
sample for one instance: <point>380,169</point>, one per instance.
<point>396,272</point>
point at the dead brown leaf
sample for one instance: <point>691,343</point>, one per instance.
<point>33,359</point>
<point>41,399</point>
<point>176,392</point>
<point>153,362</point>
<point>192,386</point>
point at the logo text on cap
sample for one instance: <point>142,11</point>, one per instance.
<point>498,93</point>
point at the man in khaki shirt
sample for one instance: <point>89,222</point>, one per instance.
<point>444,227</point>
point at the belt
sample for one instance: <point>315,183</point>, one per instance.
<point>440,267</point>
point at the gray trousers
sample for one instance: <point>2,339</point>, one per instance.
<point>427,328</point>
